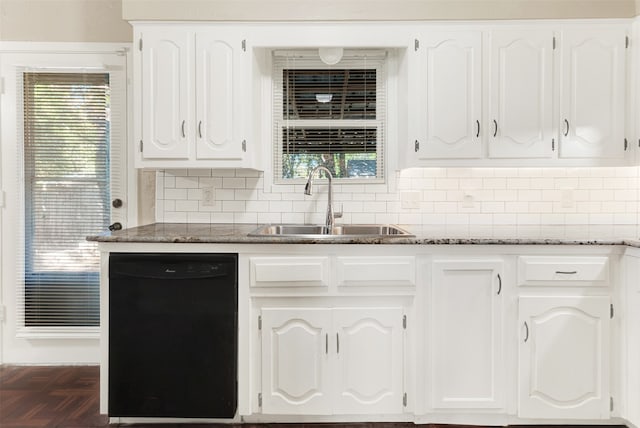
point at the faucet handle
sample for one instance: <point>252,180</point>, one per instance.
<point>338,214</point>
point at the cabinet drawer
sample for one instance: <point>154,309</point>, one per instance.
<point>289,271</point>
<point>576,271</point>
<point>376,271</point>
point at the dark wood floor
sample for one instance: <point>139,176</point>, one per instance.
<point>68,397</point>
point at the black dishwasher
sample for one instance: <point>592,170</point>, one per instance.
<point>173,335</point>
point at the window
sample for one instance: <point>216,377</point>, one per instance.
<point>66,154</point>
<point>332,115</point>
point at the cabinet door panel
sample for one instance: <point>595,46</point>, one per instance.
<point>466,335</point>
<point>295,377</point>
<point>564,357</point>
<point>219,73</point>
<point>452,102</point>
<point>593,101</point>
<point>166,84</point>
<point>521,105</point>
<point>369,356</point>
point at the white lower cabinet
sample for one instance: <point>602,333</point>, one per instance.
<point>564,357</point>
<point>631,330</point>
<point>320,361</point>
<point>465,334</point>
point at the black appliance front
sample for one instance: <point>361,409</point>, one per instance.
<point>173,335</point>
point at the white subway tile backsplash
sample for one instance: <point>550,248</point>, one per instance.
<point>234,183</point>
<point>176,194</point>
<point>233,206</point>
<point>187,205</point>
<point>186,182</point>
<point>199,173</point>
<point>495,201</point>
<point>198,217</point>
<point>175,217</point>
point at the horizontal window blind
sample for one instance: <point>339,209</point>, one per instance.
<point>66,126</point>
<point>329,114</point>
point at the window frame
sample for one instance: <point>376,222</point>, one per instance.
<point>309,59</point>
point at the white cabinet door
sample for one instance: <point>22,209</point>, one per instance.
<point>564,357</point>
<point>369,356</point>
<point>318,361</point>
<point>295,356</point>
<point>167,85</point>
<point>219,80</point>
<point>450,81</point>
<point>521,94</point>
<point>631,320</point>
<point>592,121</point>
<point>466,338</point>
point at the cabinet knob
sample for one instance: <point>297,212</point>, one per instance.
<point>115,226</point>
<point>117,203</point>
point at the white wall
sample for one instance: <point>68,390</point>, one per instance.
<point>63,21</point>
<point>532,202</point>
<point>305,10</point>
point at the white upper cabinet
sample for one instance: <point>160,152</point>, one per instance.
<point>465,335</point>
<point>592,115</point>
<point>167,84</point>
<point>195,93</point>
<point>564,357</point>
<point>219,79</point>
<point>450,81</point>
<point>526,95</point>
<point>521,94</point>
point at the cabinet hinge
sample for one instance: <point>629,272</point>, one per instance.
<point>611,404</point>
<point>553,144</point>
<point>259,399</point>
<point>611,313</point>
<point>140,44</point>
<point>416,146</point>
<point>244,45</point>
<point>626,42</point>
<point>416,44</point>
<point>626,144</point>
<point>259,322</point>
<point>141,146</point>
<point>404,322</point>
<point>244,145</point>
<point>554,43</point>
<point>404,399</point>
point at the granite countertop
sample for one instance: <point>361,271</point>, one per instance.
<point>424,235</point>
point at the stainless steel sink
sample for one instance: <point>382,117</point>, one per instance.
<point>317,231</point>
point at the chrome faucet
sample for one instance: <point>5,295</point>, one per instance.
<point>331,216</point>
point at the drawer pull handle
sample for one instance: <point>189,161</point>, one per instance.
<point>566,130</point>
<point>326,343</point>
<point>477,128</point>
<point>566,272</point>
<point>200,129</point>
<point>182,128</point>
<point>338,343</point>
<point>499,284</point>
<point>495,127</point>
<point>526,327</point>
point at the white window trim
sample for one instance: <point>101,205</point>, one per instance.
<point>275,118</point>
<point>72,344</point>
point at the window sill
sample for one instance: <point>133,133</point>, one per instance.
<point>58,333</point>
